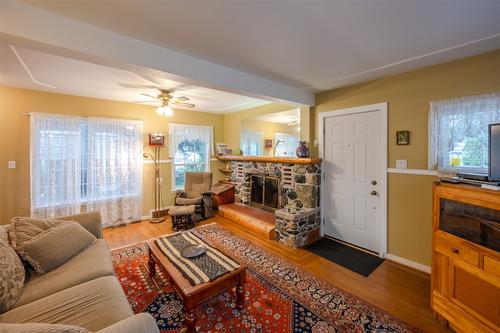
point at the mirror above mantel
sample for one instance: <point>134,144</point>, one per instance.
<point>271,134</point>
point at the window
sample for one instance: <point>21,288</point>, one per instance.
<point>458,132</point>
<point>92,161</point>
<point>251,143</point>
<point>286,144</point>
<point>190,147</point>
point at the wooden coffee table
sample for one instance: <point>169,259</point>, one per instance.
<point>193,296</point>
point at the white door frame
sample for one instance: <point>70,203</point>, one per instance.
<point>382,107</point>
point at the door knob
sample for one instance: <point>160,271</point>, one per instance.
<point>373,192</point>
<point>374,182</point>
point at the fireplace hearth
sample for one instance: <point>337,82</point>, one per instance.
<point>264,192</point>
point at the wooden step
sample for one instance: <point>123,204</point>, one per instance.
<point>255,220</point>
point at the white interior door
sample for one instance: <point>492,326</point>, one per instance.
<point>353,178</point>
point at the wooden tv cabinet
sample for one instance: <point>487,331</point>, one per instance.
<point>465,282</point>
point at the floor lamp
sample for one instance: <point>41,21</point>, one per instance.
<point>157,141</point>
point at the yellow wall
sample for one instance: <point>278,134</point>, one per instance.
<point>232,122</point>
<point>268,128</point>
<point>408,96</point>
<point>14,139</point>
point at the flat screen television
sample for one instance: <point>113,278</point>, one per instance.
<point>494,152</point>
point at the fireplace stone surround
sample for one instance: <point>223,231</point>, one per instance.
<point>298,215</point>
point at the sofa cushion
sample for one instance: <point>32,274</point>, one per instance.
<point>93,305</point>
<point>42,328</point>
<point>46,244</point>
<point>91,263</point>
<point>12,273</point>
<point>22,229</point>
<point>90,221</point>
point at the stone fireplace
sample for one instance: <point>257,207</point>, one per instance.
<point>287,186</point>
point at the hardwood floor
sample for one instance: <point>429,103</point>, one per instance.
<point>401,291</point>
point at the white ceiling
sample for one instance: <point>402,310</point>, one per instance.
<point>282,117</point>
<point>43,71</point>
<point>315,45</point>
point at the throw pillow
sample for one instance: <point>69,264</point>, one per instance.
<point>42,328</point>
<point>48,244</point>
<point>11,273</point>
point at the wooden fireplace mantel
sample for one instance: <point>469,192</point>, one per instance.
<point>271,159</point>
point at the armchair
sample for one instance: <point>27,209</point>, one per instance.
<point>197,192</point>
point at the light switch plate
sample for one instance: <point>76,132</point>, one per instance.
<point>12,164</point>
<point>315,143</point>
<point>401,164</point>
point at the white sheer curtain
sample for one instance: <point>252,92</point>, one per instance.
<point>181,132</point>
<point>251,142</point>
<point>458,132</point>
<point>114,169</point>
<point>288,146</point>
<point>55,151</point>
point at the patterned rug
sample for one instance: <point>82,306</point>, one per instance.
<point>280,297</point>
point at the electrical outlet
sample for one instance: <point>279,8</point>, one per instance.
<point>401,164</point>
<point>12,165</point>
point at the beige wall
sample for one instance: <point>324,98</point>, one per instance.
<point>268,129</point>
<point>14,139</point>
<point>408,96</point>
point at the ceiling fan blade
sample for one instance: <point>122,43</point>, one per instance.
<point>138,86</point>
<point>188,105</point>
<point>147,95</point>
<point>181,98</point>
<point>182,87</point>
<point>138,102</point>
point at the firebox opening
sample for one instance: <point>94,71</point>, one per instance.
<point>264,192</point>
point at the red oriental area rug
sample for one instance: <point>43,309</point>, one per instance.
<point>280,297</point>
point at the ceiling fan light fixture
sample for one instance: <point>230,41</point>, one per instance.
<point>165,110</point>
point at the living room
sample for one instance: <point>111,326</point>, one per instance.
<point>157,178</point>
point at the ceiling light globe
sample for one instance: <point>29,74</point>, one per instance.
<point>165,111</point>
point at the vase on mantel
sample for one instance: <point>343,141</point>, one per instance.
<point>302,150</point>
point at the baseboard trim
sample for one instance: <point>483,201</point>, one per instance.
<point>422,172</point>
<point>409,263</point>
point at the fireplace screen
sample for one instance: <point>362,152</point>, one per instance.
<point>264,192</point>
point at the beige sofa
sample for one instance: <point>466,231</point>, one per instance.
<point>82,292</point>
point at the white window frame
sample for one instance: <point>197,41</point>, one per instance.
<point>172,151</point>
<point>285,134</point>
<point>260,134</point>
<point>464,107</point>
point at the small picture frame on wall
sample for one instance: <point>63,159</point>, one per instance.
<point>156,139</point>
<point>403,137</point>
<point>268,143</point>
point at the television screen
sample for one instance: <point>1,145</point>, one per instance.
<point>494,153</point>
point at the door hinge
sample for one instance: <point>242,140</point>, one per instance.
<point>323,221</point>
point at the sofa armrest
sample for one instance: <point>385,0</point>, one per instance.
<point>90,221</point>
<point>139,323</point>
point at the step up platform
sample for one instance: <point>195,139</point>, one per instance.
<point>253,219</point>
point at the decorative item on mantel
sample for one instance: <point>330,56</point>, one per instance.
<point>302,150</point>
<point>298,211</point>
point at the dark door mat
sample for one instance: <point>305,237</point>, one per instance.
<point>346,256</point>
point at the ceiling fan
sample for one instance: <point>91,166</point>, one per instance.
<point>166,99</point>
